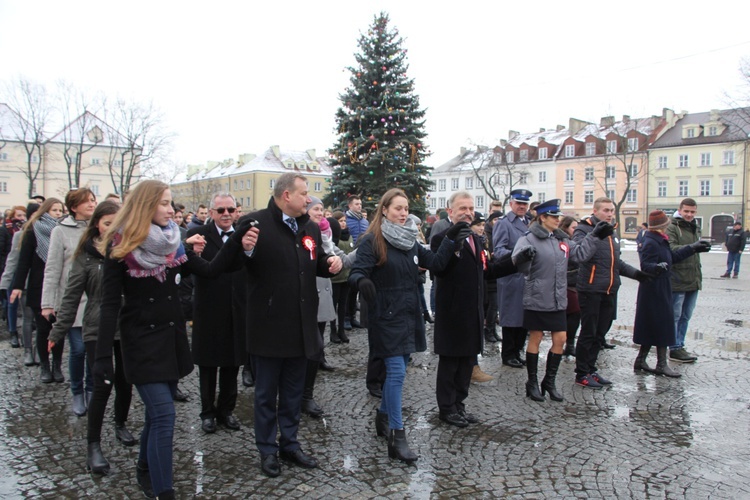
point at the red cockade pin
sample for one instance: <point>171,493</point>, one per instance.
<point>309,244</point>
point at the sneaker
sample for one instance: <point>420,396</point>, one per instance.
<point>588,381</point>
<point>601,380</point>
<point>681,356</point>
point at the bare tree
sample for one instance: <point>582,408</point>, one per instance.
<point>495,174</point>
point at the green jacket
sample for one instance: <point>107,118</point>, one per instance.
<point>686,275</point>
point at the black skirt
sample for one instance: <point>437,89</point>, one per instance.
<point>546,321</point>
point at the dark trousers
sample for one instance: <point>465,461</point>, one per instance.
<point>158,432</point>
<point>574,321</point>
<point>351,302</point>
<point>341,301</point>
<point>98,405</point>
<point>597,314</point>
<point>43,327</point>
<point>375,377</point>
<point>514,338</point>
<point>282,379</point>
<point>227,378</point>
<point>453,379</point>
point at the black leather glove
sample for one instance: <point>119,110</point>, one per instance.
<point>458,232</point>
<point>525,255</point>
<point>603,229</point>
<point>661,268</point>
<point>367,289</point>
<point>643,277</point>
<point>243,227</point>
<point>104,370</point>
<point>701,246</point>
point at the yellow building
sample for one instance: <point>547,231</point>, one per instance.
<point>251,178</point>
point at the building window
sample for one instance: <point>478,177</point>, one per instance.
<point>3,187</point>
<point>95,189</point>
<point>433,203</point>
<point>588,197</point>
<point>610,172</point>
<point>705,159</point>
<point>242,185</point>
<point>662,162</point>
<point>633,170</point>
<point>93,161</point>
<point>590,148</point>
<point>469,183</point>
<point>632,196</point>
<point>632,144</point>
<point>661,189</point>
<point>570,151</point>
<point>3,156</point>
<point>542,176</point>
<point>542,153</point>
<point>691,132</point>
<point>441,185</point>
<point>523,178</point>
<point>682,188</point>
<point>480,201</point>
<point>117,163</point>
<point>541,197</point>
<point>713,130</point>
<point>318,186</point>
<point>611,147</point>
<point>569,174</point>
<point>728,157</point>
<point>683,161</point>
<point>272,184</point>
<point>524,154</point>
<point>509,157</point>
<point>568,197</point>
<point>610,193</point>
<point>454,184</point>
<point>235,184</point>
<point>705,187</point>
<point>441,202</point>
<point>727,187</point>
<point>588,174</point>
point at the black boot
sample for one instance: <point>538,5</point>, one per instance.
<point>570,349</point>
<point>95,461</point>
<point>323,365</point>
<point>640,360</point>
<point>398,448</point>
<point>144,479</point>
<point>45,372</point>
<point>532,385</point>
<point>166,495</point>
<point>662,367</point>
<point>28,357</point>
<point>428,317</point>
<point>548,383</point>
<point>57,371</point>
<point>381,423</point>
<point>335,336</point>
<point>309,406</point>
<point>14,342</point>
<point>489,336</point>
<point>342,334</point>
<point>123,435</point>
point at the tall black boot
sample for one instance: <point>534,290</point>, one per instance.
<point>95,461</point>
<point>640,360</point>
<point>342,334</point>
<point>57,373</point>
<point>381,423</point>
<point>45,373</point>
<point>532,385</point>
<point>398,448</point>
<point>144,479</point>
<point>548,383</point>
<point>335,337</point>
<point>662,367</point>
<point>309,406</point>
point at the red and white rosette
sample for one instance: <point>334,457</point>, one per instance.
<point>484,259</point>
<point>309,245</point>
<point>564,247</point>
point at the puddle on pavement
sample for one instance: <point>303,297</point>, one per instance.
<point>735,322</point>
<point>422,484</point>
<point>350,463</point>
<point>199,472</point>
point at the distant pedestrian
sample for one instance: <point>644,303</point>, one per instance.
<point>735,243</point>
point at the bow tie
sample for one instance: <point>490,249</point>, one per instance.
<point>226,233</point>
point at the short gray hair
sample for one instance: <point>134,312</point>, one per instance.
<point>457,195</point>
<point>222,195</point>
<point>286,183</point>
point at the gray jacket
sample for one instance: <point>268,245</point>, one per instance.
<point>546,280</point>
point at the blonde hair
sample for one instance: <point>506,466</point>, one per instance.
<point>133,221</point>
<point>44,208</point>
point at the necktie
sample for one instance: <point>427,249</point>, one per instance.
<point>470,239</point>
<point>292,224</point>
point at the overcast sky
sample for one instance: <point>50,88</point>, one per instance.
<point>238,76</point>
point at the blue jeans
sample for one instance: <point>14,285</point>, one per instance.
<point>13,316</point>
<point>733,261</point>
<point>77,362</point>
<point>433,288</point>
<point>395,373</point>
<point>158,433</point>
<point>683,304</point>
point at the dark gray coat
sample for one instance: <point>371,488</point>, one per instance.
<point>506,233</point>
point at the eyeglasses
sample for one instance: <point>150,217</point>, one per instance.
<point>221,210</point>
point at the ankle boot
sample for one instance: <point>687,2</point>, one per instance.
<point>123,435</point>
<point>342,334</point>
<point>95,461</point>
<point>166,495</point>
<point>34,355</point>
<point>14,342</point>
<point>428,317</point>
<point>640,360</point>
<point>570,349</point>
<point>144,479</point>
<point>57,371</point>
<point>79,404</point>
<point>309,406</point>
<point>28,357</point>
<point>381,423</point>
<point>532,385</point>
<point>335,336</point>
<point>548,383</point>
<point>489,335</point>
<point>398,448</point>
<point>662,368</point>
<point>45,372</point>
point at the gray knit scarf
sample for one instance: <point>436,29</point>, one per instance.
<point>161,249</point>
<point>42,230</point>
<point>401,237</point>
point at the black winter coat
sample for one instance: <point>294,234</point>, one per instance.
<point>395,322</point>
<point>153,335</point>
<point>32,266</point>
<point>459,298</point>
<point>654,317</point>
<point>218,310</point>
<point>282,294</point>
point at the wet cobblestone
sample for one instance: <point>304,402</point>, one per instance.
<point>645,437</point>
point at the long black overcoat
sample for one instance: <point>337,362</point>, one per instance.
<point>218,309</point>
<point>282,295</point>
<point>654,319</point>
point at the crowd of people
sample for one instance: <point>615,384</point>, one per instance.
<point>122,285</point>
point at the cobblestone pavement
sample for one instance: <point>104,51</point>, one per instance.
<point>645,437</point>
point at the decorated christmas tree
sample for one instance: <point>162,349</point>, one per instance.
<point>380,126</point>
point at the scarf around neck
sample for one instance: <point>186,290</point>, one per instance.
<point>161,249</point>
<point>356,215</point>
<point>401,237</point>
<point>42,230</point>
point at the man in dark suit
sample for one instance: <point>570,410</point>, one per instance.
<point>219,323</point>
<point>282,306</point>
<point>459,313</point>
